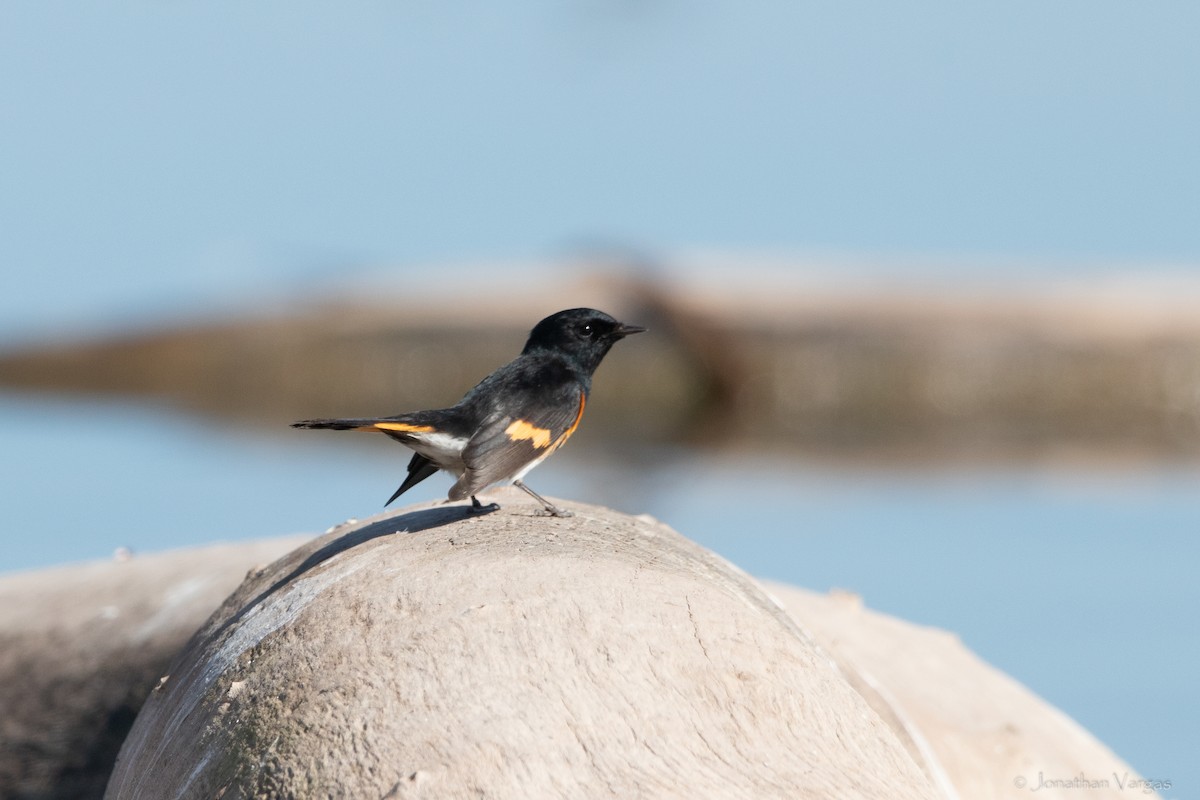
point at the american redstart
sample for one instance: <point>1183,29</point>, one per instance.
<point>513,419</point>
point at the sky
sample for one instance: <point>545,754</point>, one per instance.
<point>172,155</point>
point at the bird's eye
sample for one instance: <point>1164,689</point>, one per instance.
<point>587,331</point>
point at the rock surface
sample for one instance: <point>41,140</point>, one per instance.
<point>977,733</point>
<point>433,653</point>
<point>82,645</point>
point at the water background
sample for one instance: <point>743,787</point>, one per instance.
<point>171,161</point>
<point>1079,584</point>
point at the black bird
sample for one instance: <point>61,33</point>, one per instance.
<point>513,419</point>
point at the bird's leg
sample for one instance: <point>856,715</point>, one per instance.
<point>551,509</point>
<point>479,508</point>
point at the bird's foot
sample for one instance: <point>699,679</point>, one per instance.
<point>553,511</point>
<point>479,508</point>
<point>548,508</point>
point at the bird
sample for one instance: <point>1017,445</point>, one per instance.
<point>513,419</point>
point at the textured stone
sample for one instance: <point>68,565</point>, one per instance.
<point>597,656</point>
<point>438,654</point>
<point>80,648</point>
<point>977,732</point>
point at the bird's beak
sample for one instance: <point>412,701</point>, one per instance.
<point>624,330</point>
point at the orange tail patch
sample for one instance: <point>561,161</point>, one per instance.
<point>401,427</point>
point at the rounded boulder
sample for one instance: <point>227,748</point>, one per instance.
<point>436,653</point>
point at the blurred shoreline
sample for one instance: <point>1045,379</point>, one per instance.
<point>1084,370</point>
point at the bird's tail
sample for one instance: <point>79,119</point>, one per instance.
<point>390,425</point>
<point>337,424</point>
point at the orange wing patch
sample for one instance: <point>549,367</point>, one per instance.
<point>520,429</point>
<point>401,427</point>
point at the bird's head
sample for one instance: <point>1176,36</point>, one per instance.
<point>583,334</point>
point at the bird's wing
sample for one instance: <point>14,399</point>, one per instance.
<point>505,445</point>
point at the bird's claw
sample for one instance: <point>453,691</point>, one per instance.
<point>479,508</point>
<point>554,511</point>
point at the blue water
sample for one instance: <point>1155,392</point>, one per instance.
<point>1079,584</point>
